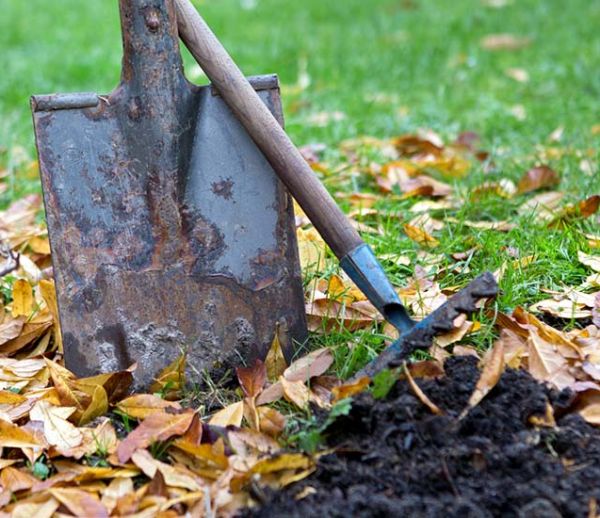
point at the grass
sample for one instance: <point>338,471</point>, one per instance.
<point>391,67</point>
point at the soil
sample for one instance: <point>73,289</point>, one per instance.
<point>394,458</point>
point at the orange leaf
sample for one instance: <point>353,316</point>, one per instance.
<point>536,178</point>
<point>350,389</point>
<point>252,379</point>
<point>156,427</point>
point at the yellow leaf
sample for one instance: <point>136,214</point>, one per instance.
<point>295,392</point>
<point>171,380</point>
<point>231,415</point>
<point>281,462</point>
<point>350,389</point>
<point>311,249</point>
<point>418,235</point>
<point>175,476</point>
<point>275,361</point>
<point>13,436</point>
<point>490,375</point>
<point>48,292</point>
<point>97,407</point>
<point>22,294</point>
<point>140,406</point>
<point>58,431</point>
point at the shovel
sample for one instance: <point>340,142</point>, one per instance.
<point>356,258</point>
<point>169,230</point>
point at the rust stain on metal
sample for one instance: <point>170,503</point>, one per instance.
<point>169,230</point>
<point>223,188</point>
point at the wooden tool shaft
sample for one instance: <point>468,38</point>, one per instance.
<point>269,136</point>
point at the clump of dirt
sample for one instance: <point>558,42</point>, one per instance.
<point>394,458</point>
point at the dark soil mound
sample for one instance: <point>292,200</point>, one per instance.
<point>394,458</point>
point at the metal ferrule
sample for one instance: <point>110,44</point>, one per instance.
<point>364,269</point>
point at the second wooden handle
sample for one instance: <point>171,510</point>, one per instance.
<point>268,135</point>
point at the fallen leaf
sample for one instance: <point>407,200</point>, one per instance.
<point>79,503</point>
<point>271,421</point>
<point>350,389</point>
<point>295,392</point>
<point>48,292</point>
<point>98,406</point>
<point>140,406</point>
<point>420,236</point>
<point>313,364</point>
<point>547,364</point>
<point>252,379</point>
<point>275,361</point>
<point>312,250</point>
<point>518,74</point>
<point>156,427</point>
<point>231,415</point>
<point>504,42</point>
<point>490,375</point>
<point>539,177</point>
<point>58,431</point>
<point>171,380</point>
<point>22,294</point>
<point>421,396</point>
<point>593,261</point>
<point>13,436</point>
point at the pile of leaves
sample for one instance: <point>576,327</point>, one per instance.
<point>85,446</point>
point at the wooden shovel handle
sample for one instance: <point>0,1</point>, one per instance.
<point>268,135</point>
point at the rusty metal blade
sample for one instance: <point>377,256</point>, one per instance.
<point>169,230</point>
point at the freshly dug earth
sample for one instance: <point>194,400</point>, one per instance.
<point>394,458</point>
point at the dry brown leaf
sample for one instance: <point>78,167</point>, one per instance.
<point>48,292</point>
<point>350,389</point>
<point>593,261</point>
<point>271,421</point>
<point>542,206</point>
<point>295,392</point>
<point>504,42</point>
<point>490,375</point>
<point>79,503</point>
<point>518,74</point>
<point>313,364</point>
<point>421,396</point>
<point>156,427</point>
<point>275,361</point>
<point>13,479</point>
<point>252,379</point>
<point>231,415</point>
<point>547,364</point>
<point>11,328</point>
<point>58,431</point>
<point>140,406</point>
<point>174,476</point>
<point>539,177</point>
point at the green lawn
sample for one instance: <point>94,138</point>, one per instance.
<point>391,67</point>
